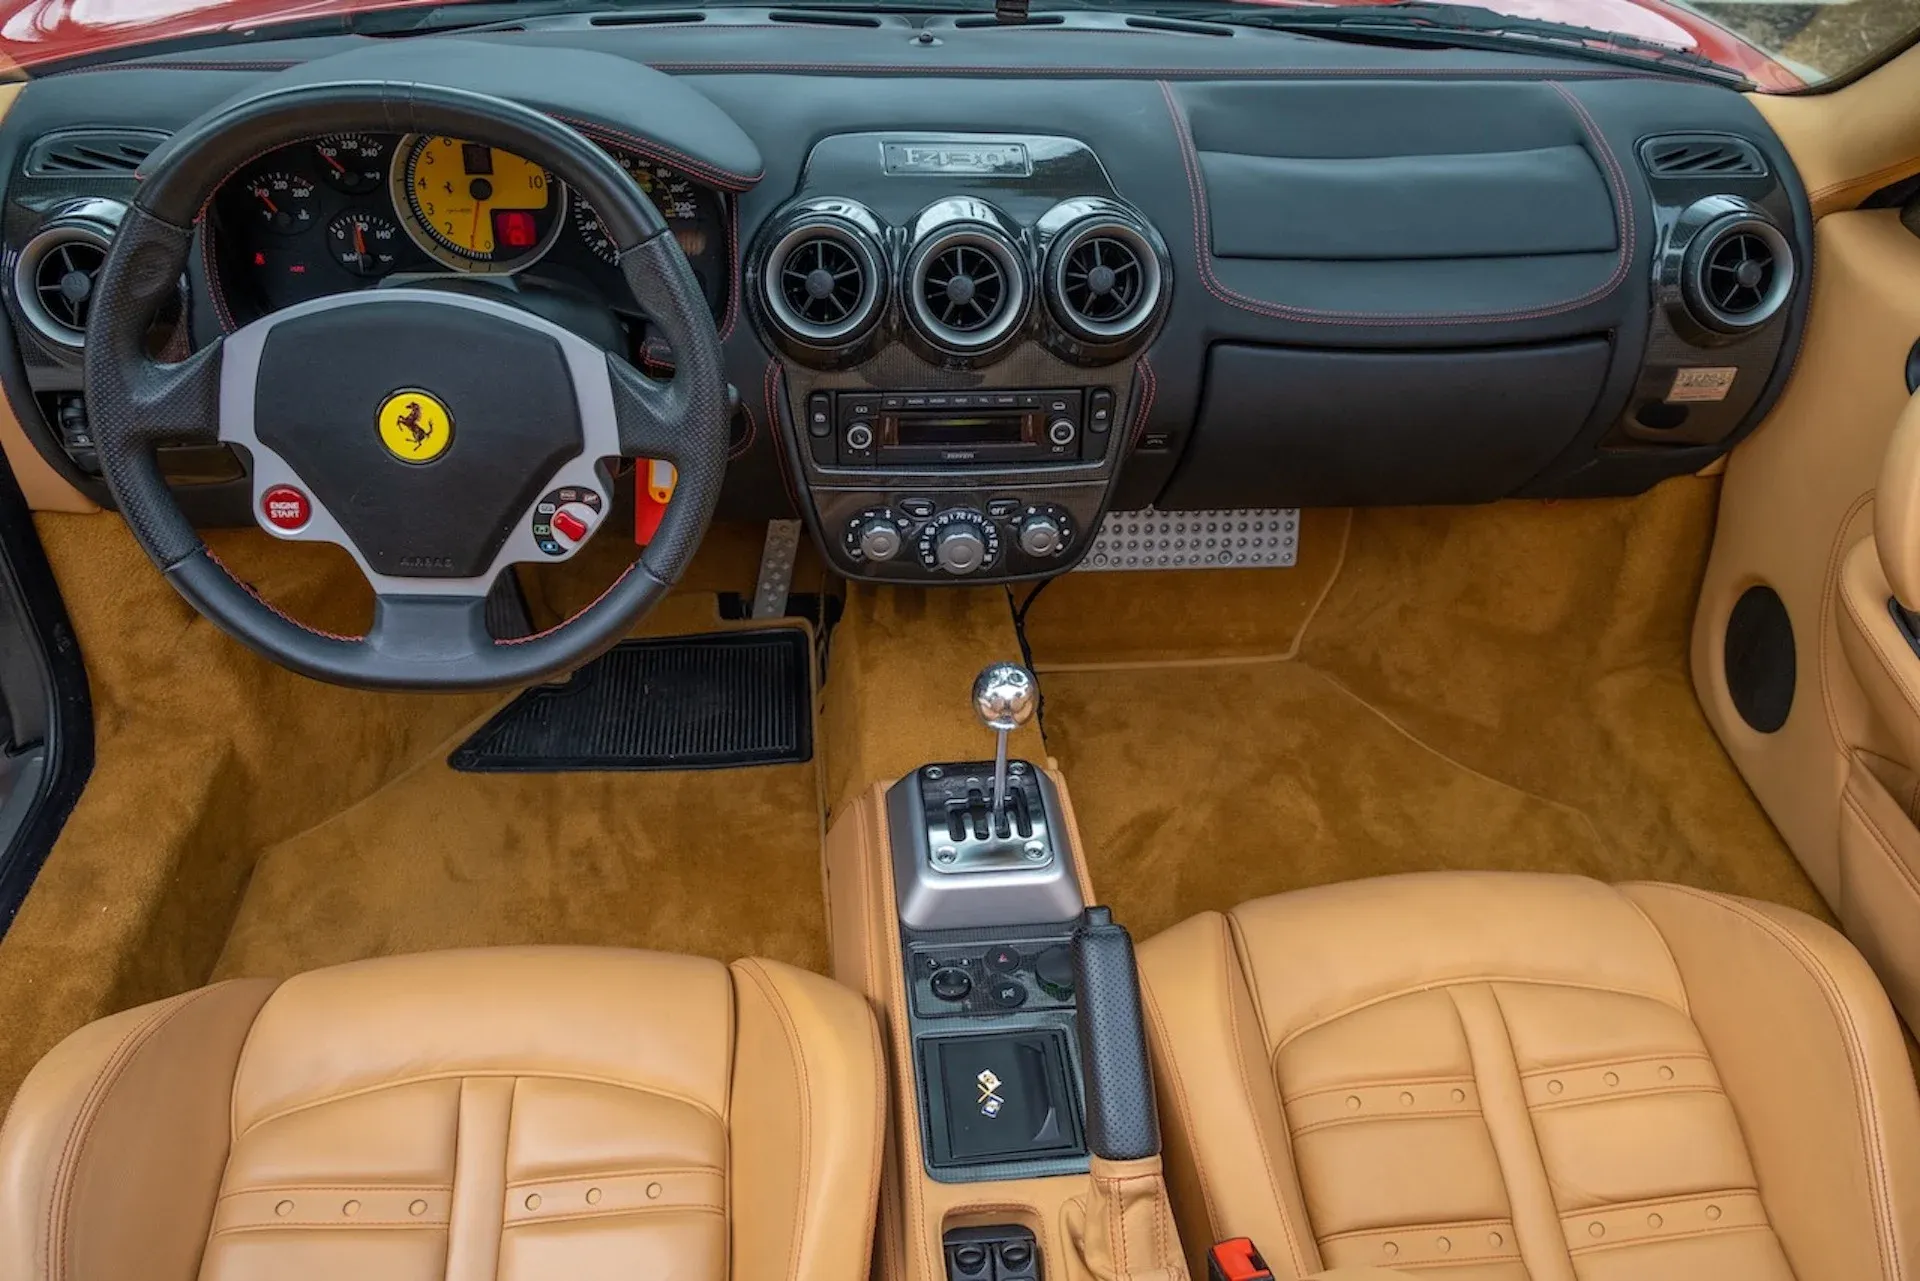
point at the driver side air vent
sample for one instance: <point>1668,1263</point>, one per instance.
<point>1738,272</point>
<point>96,152</point>
<point>54,277</point>
<point>1702,156</point>
<point>966,290</point>
<point>1104,280</point>
<point>821,282</point>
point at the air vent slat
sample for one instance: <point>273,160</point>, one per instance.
<point>966,288</point>
<point>54,278</point>
<point>1105,280</point>
<point>91,153</point>
<point>1679,156</point>
<point>1740,274</point>
<point>821,283</point>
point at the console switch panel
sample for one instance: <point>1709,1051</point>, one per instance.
<point>999,1252</point>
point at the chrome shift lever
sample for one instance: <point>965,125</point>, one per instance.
<point>1004,696</point>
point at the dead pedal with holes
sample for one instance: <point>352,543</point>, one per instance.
<point>717,701</point>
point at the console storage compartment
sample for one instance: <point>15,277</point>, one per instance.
<point>1294,427</point>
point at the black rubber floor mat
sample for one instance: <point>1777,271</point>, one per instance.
<point>691,702</point>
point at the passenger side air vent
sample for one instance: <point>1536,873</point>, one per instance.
<point>1737,273</point>
<point>91,152</point>
<point>1103,280</point>
<point>1702,156</point>
<point>821,282</point>
<point>965,288</point>
<point>54,277</point>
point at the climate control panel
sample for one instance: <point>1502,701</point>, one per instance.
<point>962,539</point>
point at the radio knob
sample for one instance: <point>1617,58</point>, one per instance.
<point>960,548</point>
<point>1061,431</point>
<point>1040,535</point>
<point>859,436</point>
<point>879,540</point>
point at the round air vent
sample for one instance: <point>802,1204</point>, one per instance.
<point>1737,273</point>
<point>966,289</point>
<point>53,279</point>
<point>1103,280</point>
<point>821,282</point>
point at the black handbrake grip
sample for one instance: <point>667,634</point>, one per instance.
<point>1121,1122</point>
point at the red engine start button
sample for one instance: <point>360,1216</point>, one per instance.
<point>286,508</point>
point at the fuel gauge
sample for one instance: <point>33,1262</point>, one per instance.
<point>364,243</point>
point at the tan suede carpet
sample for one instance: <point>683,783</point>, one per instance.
<point>245,821</point>
<point>1492,687</point>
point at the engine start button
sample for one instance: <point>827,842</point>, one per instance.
<point>286,508</point>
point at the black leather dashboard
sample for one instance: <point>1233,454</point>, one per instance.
<point>1396,275</point>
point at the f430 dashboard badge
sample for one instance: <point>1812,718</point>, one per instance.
<point>998,158</point>
<point>414,426</point>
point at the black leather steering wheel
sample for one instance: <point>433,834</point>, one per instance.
<point>501,416</point>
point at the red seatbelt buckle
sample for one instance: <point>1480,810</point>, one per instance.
<point>653,485</point>
<point>1237,1260</point>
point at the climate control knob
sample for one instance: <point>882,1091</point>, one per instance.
<point>960,548</point>
<point>879,540</point>
<point>1040,535</point>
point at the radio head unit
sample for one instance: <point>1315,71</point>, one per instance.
<point>959,429</point>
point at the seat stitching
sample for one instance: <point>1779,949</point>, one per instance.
<point>1830,588</point>
<point>456,1074</point>
<point>1434,1226</point>
<point>1230,961</point>
<point>1687,1234</point>
<point>1616,1096</point>
<point>1866,1108</point>
<point>1369,1084</point>
<point>1582,1064</point>
<point>797,1051</point>
<point>1686,1007</point>
<point>1179,1084</point>
<point>59,1203</point>
<point>1526,1118</point>
<point>1433,985</point>
<point>1880,837</point>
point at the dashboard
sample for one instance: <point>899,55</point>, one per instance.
<point>981,288</point>
<point>349,211</point>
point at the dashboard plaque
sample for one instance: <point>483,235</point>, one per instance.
<point>989,158</point>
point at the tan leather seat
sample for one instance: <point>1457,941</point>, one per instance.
<point>1495,1075</point>
<point>514,1113</point>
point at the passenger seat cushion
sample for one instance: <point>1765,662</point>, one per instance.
<point>1512,1075</point>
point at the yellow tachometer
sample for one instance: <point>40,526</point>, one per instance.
<point>475,207</point>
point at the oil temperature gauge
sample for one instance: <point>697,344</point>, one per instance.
<point>286,202</point>
<point>363,243</point>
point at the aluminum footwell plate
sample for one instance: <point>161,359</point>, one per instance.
<point>1243,538</point>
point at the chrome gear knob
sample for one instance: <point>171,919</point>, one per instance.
<point>1004,696</point>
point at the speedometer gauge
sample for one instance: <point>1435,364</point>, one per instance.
<point>674,195</point>
<point>474,207</point>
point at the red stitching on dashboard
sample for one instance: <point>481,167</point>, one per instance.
<point>660,151</point>
<point>733,265</point>
<point>1149,388</point>
<point>771,403</point>
<point>1203,254</point>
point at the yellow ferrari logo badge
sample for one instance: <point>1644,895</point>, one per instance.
<point>415,427</point>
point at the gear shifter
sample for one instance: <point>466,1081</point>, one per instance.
<point>1004,696</point>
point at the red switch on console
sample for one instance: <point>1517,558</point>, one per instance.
<point>569,526</point>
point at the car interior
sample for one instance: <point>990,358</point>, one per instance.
<point>905,641</point>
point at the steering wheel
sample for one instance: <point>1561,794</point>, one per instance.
<point>439,437</point>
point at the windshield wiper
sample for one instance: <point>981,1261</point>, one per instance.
<point>1465,27</point>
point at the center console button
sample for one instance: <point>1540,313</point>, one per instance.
<point>879,540</point>
<point>1003,508</point>
<point>1040,535</point>
<point>918,508</point>
<point>859,435</point>
<point>1053,969</point>
<point>1061,431</point>
<point>960,549</point>
<point>1008,993</point>
<point>951,985</point>
<point>1100,409</point>
<point>819,414</point>
<point>1004,959</point>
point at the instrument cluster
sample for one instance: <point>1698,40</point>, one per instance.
<point>348,211</point>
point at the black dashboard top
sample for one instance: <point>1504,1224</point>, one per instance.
<point>1320,199</point>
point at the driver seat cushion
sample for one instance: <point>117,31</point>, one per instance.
<point>512,1112</point>
<point>1502,1075</point>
